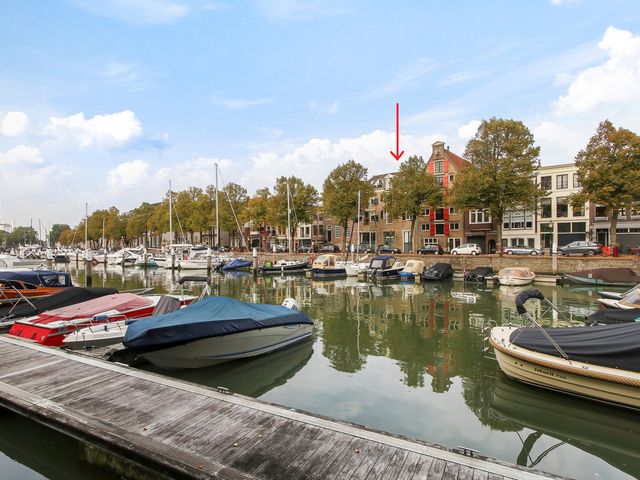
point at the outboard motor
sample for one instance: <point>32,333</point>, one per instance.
<point>291,303</point>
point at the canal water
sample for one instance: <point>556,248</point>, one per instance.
<point>403,358</point>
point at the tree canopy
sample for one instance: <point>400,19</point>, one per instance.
<point>412,189</point>
<point>304,198</point>
<point>609,171</point>
<point>501,175</point>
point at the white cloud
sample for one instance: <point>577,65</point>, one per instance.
<point>109,130</point>
<point>465,132</point>
<point>239,103</point>
<point>559,143</point>
<point>21,154</point>
<point>128,175</point>
<point>314,160</point>
<point>13,123</point>
<point>136,12</point>
<point>297,10</point>
<point>613,83</point>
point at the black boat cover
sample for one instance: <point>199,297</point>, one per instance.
<point>64,298</point>
<point>438,271</point>
<point>610,316</point>
<point>614,346</point>
<point>211,317</point>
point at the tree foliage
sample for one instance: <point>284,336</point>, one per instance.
<point>340,193</point>
<point>304,198</point>
<point>609,171</point>
<point>233,202</point>
<point>504,161</point>
<point>56,231</point>
<point>412,189</point>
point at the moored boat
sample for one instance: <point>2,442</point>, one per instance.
<point>412,269</point>
<point>597,362</point>
<point>237,264</point>
<point>384,266</point>
<point>629,301</point>
<point>438,272</point>
<point>284,266</point>
<point>515,276</point>
<point>216,330</point>
<point>479,275</point>
<point>28,284</point>
<point>604,276</point>
<point>328,265</point>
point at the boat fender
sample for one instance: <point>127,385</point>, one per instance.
<point>291,303</point>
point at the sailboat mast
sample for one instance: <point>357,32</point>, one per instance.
<point>217,227</point>
<point>358,227</point>
<point>288,218</point>
<point>170,217</point>
<point>103,243</point>
<point>86,222</point>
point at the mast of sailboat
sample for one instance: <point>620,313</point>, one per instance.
<point>86,222</point>
<point>288,219</point>
<point>170,217</point>
<point>103,242</point>
<point>217,227</point>
<point>358,228</point>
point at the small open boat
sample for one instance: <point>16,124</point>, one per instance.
<point>616,295</point>
<point>604,276</point>
<point>513,276</point>
<point>20,285</point>
<point>597,362</point>
<point>284,266</point>
<point>629,301</point>
<point>216,330</point>
<point>438,272</point>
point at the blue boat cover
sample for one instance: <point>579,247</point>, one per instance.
<point>46,278</point>
<point>236,263</point>
<point>210,317</point>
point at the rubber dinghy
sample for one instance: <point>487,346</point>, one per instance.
<point>216,330</point>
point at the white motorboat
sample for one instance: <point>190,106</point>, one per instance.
<point>629,301</point>
<point>216,330</point>
<point>515,276</point>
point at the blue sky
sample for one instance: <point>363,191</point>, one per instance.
<point>105,101</point>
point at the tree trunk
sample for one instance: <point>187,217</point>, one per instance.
<point>613,237</point>
<point>413,234</point>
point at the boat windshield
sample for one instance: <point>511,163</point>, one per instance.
<point>632,298</point>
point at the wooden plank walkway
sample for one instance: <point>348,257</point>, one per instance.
<point>192,432</point>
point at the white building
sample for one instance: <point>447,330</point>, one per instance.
<point>558,222</point>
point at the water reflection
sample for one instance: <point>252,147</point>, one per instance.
<point>407,358</point>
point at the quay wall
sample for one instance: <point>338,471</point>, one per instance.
<point>543,264</point>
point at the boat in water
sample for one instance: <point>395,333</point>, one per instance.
<point>284,266</point>
<point>479,275</point>
<point>616,295</point>
<point>49,328</point>
<point>515,276</point>
<point>438,272</point>
<point>604,276</point>
<point>412,269</point>
<point>237,264</point>
<point>29,284</point>
<point>597,362</point>
<point>328,265</point>
<point>216,330</point>
<point>613,315</point>
<point>629,301</point>
<point>384,266</point>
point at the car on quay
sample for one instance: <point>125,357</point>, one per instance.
<point>387,250</point>
<point>467,249</point>
<point>584,248</point>
<point>435,249</point>
<point>329,248</point>
<point>522,250</point>
<point>304,249</point>
<point>277,248</point>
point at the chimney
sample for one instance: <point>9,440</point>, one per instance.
<point>447,148</point>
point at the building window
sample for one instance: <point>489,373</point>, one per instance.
<point>578,211</point>
<point>562,207</point>
<point>430,241</point>
<point>452,210</point>
<point>576,181</point>
<point>374,201</point>
<point>338,231</point>
<point>635,211</point>
<point>438,167</point>
<point>424,227</point>
<point>545,208</point>
<point>440,180</point>
<point>545,182</point>
<point>562,181</point>
<point>622,213</point>
<point>601,211</point>
<point>425,212</point>
<point>454,226</point>
<point>450,178</point>
<point>439,228</point>
<point>479,216</point>
<point>439,213</point>
<point>372,217</point>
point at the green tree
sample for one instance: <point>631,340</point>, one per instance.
<point>412,189</point>
<point>340,193</point>
<point>304,198</point>
<point>609,171</point>
<point>22,236</point>
<point>257,212</point>
<point>501,176</point>
<point>139,221</point>
<point>67,236</point>
<point>233,203</point>
<point>56,231</point>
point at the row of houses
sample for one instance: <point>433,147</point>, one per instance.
<point>554,221</point>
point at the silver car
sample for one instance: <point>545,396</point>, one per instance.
<point>522,250</point>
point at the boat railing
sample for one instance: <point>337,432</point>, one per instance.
<point>21,297</point>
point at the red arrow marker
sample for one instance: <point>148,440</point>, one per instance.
<point>397,155</point>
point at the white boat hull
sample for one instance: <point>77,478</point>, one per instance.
<point>214,350</point>
<point>605,384</point>
<point>514,281</point>
<point>95,336</point>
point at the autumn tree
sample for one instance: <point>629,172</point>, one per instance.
<point>56,231</point>
<point>609,172</point>
<point>257,212</point>
<point>340,193</point>
<point>303,200</point>
<point>233,201</point>
<point>413,188</point>
<point>501,175</point>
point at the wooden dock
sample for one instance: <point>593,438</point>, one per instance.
<point>186,431</point>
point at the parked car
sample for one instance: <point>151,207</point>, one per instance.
<point>277,248</point>
<point>362,249</point>
<point>330,248</point>
<point>522,250</point>
<point>584,248</point>
<point>435,249</point>
<point>304,249</point>
<point>467,249</point>
<point>387,249</point>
